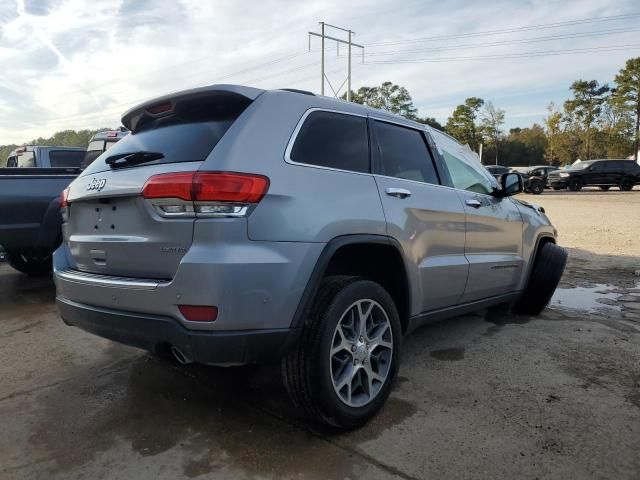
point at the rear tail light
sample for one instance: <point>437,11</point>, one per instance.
<point>207,194</point>
<point>64,196</point>
<point>64,204</point>
<point>199,313</point>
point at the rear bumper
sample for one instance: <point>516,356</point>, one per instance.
<point>254,285</point>
<point>157,333</point>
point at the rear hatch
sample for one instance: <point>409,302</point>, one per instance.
<point>109,227</point>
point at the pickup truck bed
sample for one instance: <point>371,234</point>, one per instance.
<point>30,218</point>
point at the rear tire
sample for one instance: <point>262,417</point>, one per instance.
<point>30,264</point>
<point>626,185</point>
<point>576,185</point>
<point>605,188</point>
<point>317,366</point>
<point>547,270</point>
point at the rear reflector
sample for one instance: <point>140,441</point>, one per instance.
<point>199,313</point>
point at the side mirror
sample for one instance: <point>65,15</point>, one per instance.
<point>511,184</point>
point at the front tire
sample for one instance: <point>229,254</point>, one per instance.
<point>547,270</point>
<point>342,369</point>
<point>575,185</point>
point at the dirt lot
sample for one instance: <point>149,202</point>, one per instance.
<point>491,395</point>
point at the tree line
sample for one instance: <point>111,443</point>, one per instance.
<point>598,121</point>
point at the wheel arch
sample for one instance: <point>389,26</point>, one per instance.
<point>541,239</point>
<point>347,254</point>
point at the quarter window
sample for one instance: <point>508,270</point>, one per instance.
<point>404,153</point>
<point>333,140</point>
<point>464,176</point>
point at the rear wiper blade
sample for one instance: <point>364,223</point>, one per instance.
<point>132,158</point>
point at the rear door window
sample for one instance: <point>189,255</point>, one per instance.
<point>66,158</point>
<point>333,140</point>
<point>404,153</point>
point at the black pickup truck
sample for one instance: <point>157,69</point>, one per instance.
<point>29,203</point>
<point>30,220</point>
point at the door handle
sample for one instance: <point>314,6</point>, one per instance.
<point>473,203</point>
<point>398,192</point>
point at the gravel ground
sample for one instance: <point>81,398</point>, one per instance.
<point>607,223</point>
<point>489,395</point>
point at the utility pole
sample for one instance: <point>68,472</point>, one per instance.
<point>349,44</point>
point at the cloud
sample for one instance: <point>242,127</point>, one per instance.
<point>78,64</point>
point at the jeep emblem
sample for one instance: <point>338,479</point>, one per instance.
<point>97,184</point>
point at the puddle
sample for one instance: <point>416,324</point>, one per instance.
<point>600,297</point>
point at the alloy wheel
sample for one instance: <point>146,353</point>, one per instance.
<point>361,353</point>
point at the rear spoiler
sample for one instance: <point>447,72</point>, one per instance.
<point>166,105</point>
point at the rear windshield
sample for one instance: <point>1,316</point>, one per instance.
<point>188,136</point>
<point>66,158</point>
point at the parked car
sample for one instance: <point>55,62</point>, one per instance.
<point>30,222</point>
<point>605,174</point>
<point>235,225</point>
<point>497,170</point>
<point>101,142</point>
<point>535,178</point>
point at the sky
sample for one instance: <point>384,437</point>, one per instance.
<point>73,64</point>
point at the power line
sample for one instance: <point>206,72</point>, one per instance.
<point>506,56</point>
<point>507,42</point>
<point>523,28</point>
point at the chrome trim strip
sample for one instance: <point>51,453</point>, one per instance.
<point>109,280</point>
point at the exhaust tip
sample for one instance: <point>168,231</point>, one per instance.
<point>179,356</point>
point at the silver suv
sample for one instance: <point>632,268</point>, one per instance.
<point>235,225</point>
